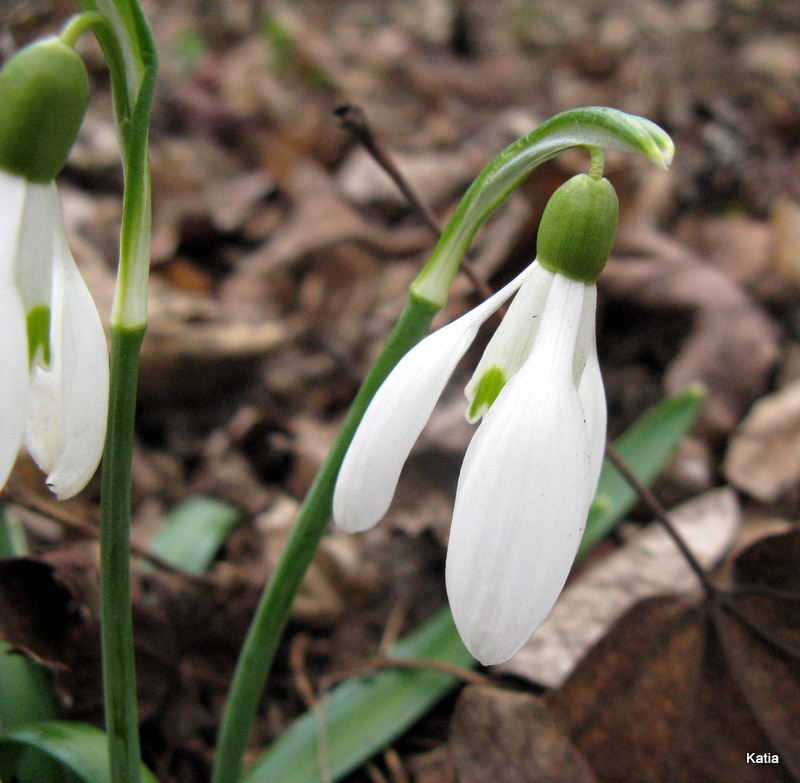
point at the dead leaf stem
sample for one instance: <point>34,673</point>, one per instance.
<point>354,120</point>
<point>663,518</point>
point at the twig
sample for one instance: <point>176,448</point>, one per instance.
<point>297,658</point>
<point>90,530</point>
<point>355,121</point>
<point>391,631</point>
<point>297,655</point>
<point>395,765</point>
<point>663,518</point>
<point>377,662</point>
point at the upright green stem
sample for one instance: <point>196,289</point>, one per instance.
<point>129,49</point>
<point>273,609</point>
<point>119,674</point>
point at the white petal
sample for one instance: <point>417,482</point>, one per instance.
<point>14,355</point>
<point>593,399</point>
<point>523,495</point>
<point>511,343</point>
<point>586,371</point>
<point>69,400</point>
<point>397,414</point>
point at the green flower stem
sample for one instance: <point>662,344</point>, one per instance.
<point>79,24</point>
<point>129,49</point>
<point>273,609</point>
<point>119,674</point>
<point>597,162</point>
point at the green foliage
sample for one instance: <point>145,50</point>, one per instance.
<point>79,751</point>
<point>193,533</point>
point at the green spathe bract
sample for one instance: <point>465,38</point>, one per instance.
<point>578,227</point>
<point>44,92</point>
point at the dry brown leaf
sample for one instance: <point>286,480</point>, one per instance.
<point>195,347</point>
<point>322,219</point>
<point>505,737</point>
<point>337,577</point>
<point>732,345</point>
<point>736,244</point>
<point>34,608</point>
<point>649,564</point>
<point>763,456</point>
<point>785,223</point>
<point>697,693</point>
<point>434,176</point>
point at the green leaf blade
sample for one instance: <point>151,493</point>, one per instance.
<point>193,533</point>
<point>361,716</point>
<point>78,748</point>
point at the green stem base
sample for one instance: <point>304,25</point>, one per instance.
<point>119,675</point>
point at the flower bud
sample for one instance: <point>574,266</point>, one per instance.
<point>578,227</point>
<point>44,92</point>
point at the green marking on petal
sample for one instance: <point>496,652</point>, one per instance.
<point>39,333</point>
<point>486,391</point>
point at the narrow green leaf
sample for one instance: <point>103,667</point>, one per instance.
<point>80,749</point>
<point>363,715</point>
<point>645,447</point>
<point>193,533</point>
<point>27,695</point>
<point>26,690</point>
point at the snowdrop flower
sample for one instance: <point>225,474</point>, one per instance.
<point>54,371</point>
<point>531,470</point>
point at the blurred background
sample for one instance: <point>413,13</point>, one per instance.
<point>282,254</point>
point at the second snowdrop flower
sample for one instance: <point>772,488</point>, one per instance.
<point>54,371</point>
<point>531,469</point>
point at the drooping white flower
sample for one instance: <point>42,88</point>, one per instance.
<point>54,372</point>
<point>54,364</point>
<point>531,469</point>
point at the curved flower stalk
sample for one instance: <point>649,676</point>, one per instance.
<point>531,469</point>
<point>54,364</point>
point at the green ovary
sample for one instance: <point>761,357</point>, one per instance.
<point>39,333</point>
<point>489,386</point>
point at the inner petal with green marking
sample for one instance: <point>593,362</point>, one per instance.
<point>39,334</point>
<point>486,391</point>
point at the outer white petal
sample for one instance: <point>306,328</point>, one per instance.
<point>523,495</point>
<point>14,353</point>
<point>511,343</point>
<point>68,401</point>
<point>397,414</point>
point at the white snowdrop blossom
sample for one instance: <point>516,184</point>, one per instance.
<point>531,469</point>
<point>54,365</point>
<point>54,372</point>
